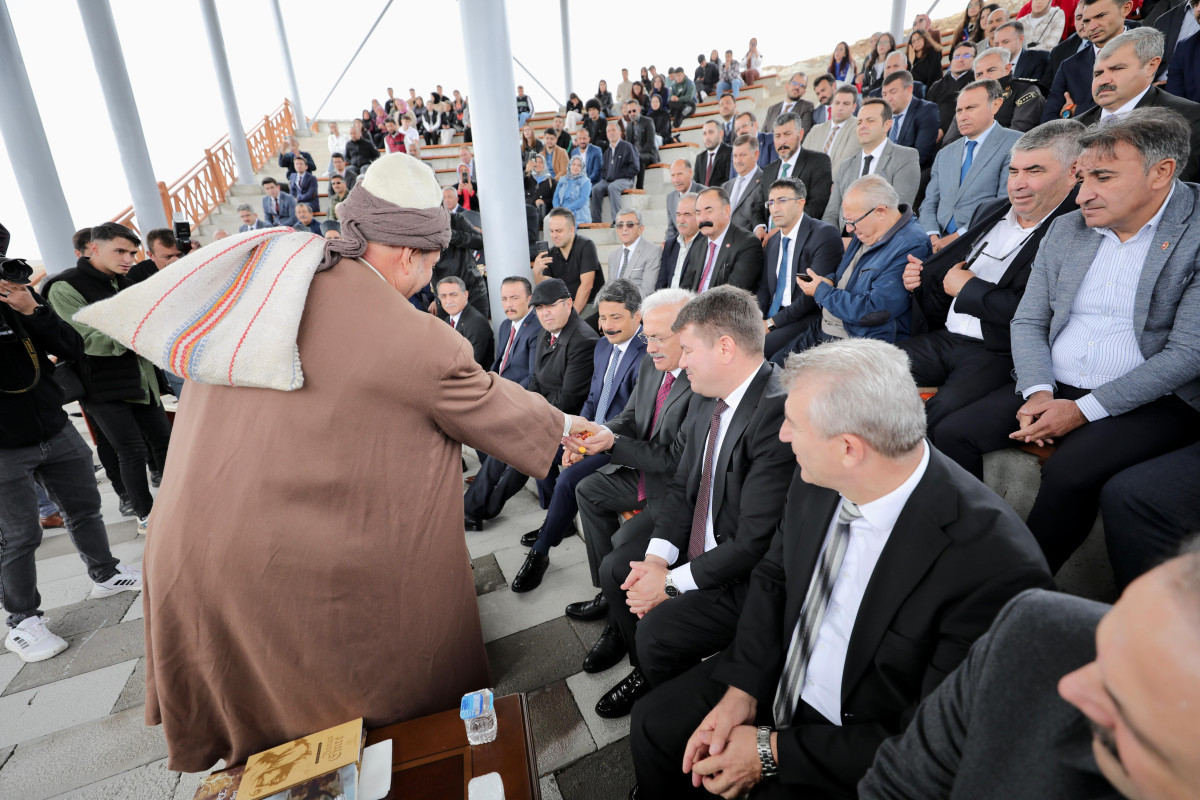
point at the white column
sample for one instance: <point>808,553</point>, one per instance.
<point>494,131</point>
<point>101,31</point>
<point>29,153</point>
<point>568,80</point>
<point>233,120</point>
<point>286,52</point>
<point>897,27</point>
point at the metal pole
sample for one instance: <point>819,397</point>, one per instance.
<point>362,44</point>
<point>897,28</point>
<point>568,80</point>
<point>286,52</point>
<point>32,162</point>
<point>493,125</point>
<point>102,37</point>
<point>233,120</point>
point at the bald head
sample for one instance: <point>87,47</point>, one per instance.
<point>681,174</point>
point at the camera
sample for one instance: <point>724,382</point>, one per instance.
<point>183,233</point>
<point>15,270</point>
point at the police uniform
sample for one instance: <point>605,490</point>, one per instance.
<point>1021,110</point>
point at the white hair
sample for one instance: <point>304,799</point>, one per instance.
<point>666,297</point>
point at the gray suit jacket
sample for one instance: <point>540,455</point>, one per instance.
<point>987,179</point>
<point>803,107</point>
<point>899,165</point>
<point>845,144</point>
<point>1166,308</point>
<point>749,211</point>
<point>673,206</point>
<point>997,727</point>
<point>642,269</point>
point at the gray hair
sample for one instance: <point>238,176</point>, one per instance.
<point>1059,136</point>
<point>690,196</point>
<point>897,53</point>
<point>666,297</point>
<point>1156,133</point>
<point>993,88</point>
<point>245,207</point>
<point>876,191</point>
<point>1015,24</point>
<point>863,387</point>
<point>784,119</point>
<point>303,205</point>
<point>634,211</point>
<point>725,311</point>
<point>620,291</point>
<point>1147,43</point>
<point>1004,56</point>
<point>457,281</point>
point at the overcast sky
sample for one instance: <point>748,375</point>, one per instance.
<point>418,44</point>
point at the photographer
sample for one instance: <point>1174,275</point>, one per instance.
<point>37,441</point>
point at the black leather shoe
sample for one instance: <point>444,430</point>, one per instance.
<point>529,576</point>
<point>472,523</point>
<point>530,539</point>
<point>126,506</point>
<point>589,610</point>
<point>607,652</point>
<point>156,478</point>
<point>619,700</point>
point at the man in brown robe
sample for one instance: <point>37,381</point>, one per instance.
<point>306,563</point>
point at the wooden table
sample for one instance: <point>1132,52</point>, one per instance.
<point>432,759</point>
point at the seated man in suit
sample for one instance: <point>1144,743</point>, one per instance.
<point>1122,81</point>
<point>1064,697</point>
<point>961,311</point>
<point>1110,375</point>
<point>1023,101</point>
<point>287,159</point>
<point>971,170</point>
<point>793,101</point>
<point>636,261</point>
<point>745,188</point>
<point>639,131</point>
<point>715,161</point>
<point>1097,22</point>
<point>746,124</point>
<point>728,255</point>
<point>642,446</point>
<point>519,332</point>
<point>914,121</point>
<point>681,183</point>
<point>865,298</point>
<point>944,93</point>
<point>889,562</point>
<point>1183,77</point>
<point>810,166</point>
<point>878,155</point>
<point>1032,65</point>
<point>835,138</point>
<point>464,318</point>
<point>305,221</point>
<point>677,250</point>
<point>340,167</point>
<point>728,111</point>
<point>250,220</point>
<point>614,373</point>
<point>684,570</point>
<point>897,61</point>
<point>803,243</point>
<point>823,87</point>
<point>572,259</point>
<point>562,374</point>
<point>593,157</point>
<point>621,167</point>
<point>304,187</point>
<point>279,208</point>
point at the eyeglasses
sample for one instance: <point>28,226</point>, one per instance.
<point>964,57</point>
<point>780,200</point>
<point>626,225</point>
<point>654,340</point>
<point>980,245</point>
<point>851,225</point>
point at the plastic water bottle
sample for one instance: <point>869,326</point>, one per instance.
<point>479,714</point>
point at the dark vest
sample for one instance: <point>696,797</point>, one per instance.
<point>106,379</point>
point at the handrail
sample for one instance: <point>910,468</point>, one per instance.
<point>203,187</point>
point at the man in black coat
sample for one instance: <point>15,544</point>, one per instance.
<point>729,254</point>
<point>717,153</point>
<point>677,249</point>
<point>464,318</point>
<point>639,132</point>
<point>811,166</point>
<point>1032,65</point>
<point>944,92</point>
<point>458,259</point>
<point>360,150</point>
<point>889,562</point>
<point>961,312</point>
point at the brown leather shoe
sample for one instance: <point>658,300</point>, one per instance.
<point>55,520</point>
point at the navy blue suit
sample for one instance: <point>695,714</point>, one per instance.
<point>1183,76</point>
<point>766,153</point>
<point>919,129</point>
<point>1035,65</point>
<point>818,247</point>
<point>519,368</point>
<point>304,189</point>
<point>557,490</point>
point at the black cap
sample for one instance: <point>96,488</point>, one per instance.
<point>549,291</point>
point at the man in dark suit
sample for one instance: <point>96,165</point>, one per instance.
<point>1173,23</point>
<point>518,332</point>
<point>677,250</point>
<point>691,561</point>
<point>250,220</point>
<point>614,372</point>
<point>464,318</point>
<point>746,190</point>
<point>1183,77</point>
<point>279,207</point>
<point>1063,698</point>
<point>681,183</point>
<point>621,167</point>
<point>715,160</point>
<point>1124,72</point>
<point>642,446</point>
<point>746,124</point>
<point>803,243</point>
<point>639,132</point>
<point>944,93</point>
<point>727,255</point>
<point>1032,65</point>
<point>811,166</point>
<point>1100,21</point>
<point>889,562</point>
<point>792,103</point>
<point>914,121</point>
<point>961,312</point>
<point>562,374</point>
<point>288,160</point>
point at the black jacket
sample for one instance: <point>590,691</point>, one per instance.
<point>721,163</point>
<point>361,153</point>
<point>475,329</point>
<point>563,374</point>
<point>1157,98</point>
<point>458,260</point>
<point>738,261</point>
<point>816,171</point>
<point>31,417</point>
<point>818,247</point>
<point>640,134</point>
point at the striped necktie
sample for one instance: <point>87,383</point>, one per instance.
<point>659,401</point>
<point>700,514</point>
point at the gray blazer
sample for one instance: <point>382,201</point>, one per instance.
<point>845,144</point>
<point>749,212</point>
<point>673,206</point>
<point>898,165</point>
<point>642,269</point>
<point>1166,309</point>
<point>997,728</point>
<point>987,179</point>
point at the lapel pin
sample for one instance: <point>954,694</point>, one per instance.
<point>1165,245</point>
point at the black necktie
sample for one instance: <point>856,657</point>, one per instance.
<point>867,165</point>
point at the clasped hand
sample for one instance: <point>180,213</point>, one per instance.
<point>722,753</point>
<point>645,587</point>
<point>1043,419</point>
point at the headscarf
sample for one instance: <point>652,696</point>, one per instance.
<point>545,173</point>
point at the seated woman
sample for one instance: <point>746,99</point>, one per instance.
<point>661,118</point>
<point>574,112</point>
<point>539,185</point>
<point>659,87</point>
<point>604,98</point>
<point>575,190</point>
<point>841,65</point>
<point>637,92</point>
<point>530,146</point>
<point>924,58</point>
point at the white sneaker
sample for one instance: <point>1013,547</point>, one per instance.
<point>143,525</point>
<point>127,579</point>
<point>33,641</point>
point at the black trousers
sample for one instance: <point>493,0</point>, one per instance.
<point>961,367</point>
<point>779,341</point>
<point>1149,509</point>
<point>495,484</point>
<point>1069,496</point>
<point>137,431</point>
<point>601,497</point>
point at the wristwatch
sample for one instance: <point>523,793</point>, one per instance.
<point>769,768</point>
<point>770,325</point>
<point>669,587</point>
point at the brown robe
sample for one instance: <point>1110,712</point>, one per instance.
<point>306,563</point>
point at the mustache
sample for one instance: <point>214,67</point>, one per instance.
<point>612,333</point>
<point>1107,87</point>
<point>705,224</point>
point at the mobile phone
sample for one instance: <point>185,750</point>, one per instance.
<point>542,247</point>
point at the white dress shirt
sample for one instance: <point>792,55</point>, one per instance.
<point>682,575</point>
<point>454,320</point>
<point>716,253</point>
<point>681,258</point>
<point>1125,109</point>
<point>791,162</point>
<point>1099,343</point>
<point>791,255</point>
<point>868,536</point>
<point>874,154</point>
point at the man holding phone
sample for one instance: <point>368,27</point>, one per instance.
<point>573,259</point>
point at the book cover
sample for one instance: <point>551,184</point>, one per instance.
<point>272,771</point>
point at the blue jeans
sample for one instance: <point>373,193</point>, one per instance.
<point>727,86</point>
<point>557,494</point>
<point>63,463</point>
<point>521,117</point>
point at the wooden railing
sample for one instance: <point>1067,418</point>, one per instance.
<point>200,190</point>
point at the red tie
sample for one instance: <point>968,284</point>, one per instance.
<point>553,339</point>
<point>663,391</point>
<point>700,515</point>
<point>452,325</point>
<point>712,250</point>
<point>512,335</point>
